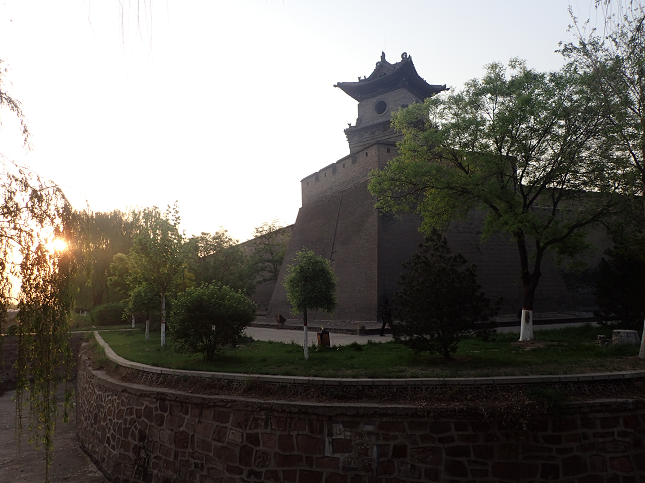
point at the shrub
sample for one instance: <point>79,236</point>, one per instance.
<point>107,314</point>
<point>440,302</point>
<point>620,287</point>
<point>204,319</point>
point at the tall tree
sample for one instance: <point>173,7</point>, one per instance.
<point>34,213</point>
<point>155,257</point>
<point>101,236</point>
<point>528,148</point>
<point>269,245</point>
<point>217,258</point>
<point>311,285</point>
<point>613,59</point>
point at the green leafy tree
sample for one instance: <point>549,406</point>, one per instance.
<point>620,285</point>
<point>440,302</point>
<point>33,213</point>
<point>143,301</point>
<point>101,237</point>
<point>119,275</point>
<point>269,247</point>
<point>613,59</point>
<point>217,258</point>
<point>205,319</point>
<point>311,285</point>
<point>155,257</point>
<point>528,149</point>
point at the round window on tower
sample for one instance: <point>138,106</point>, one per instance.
<point>380,107</point>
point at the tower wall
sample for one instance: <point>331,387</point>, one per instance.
<point>346,172</point>
<point>342,226</point>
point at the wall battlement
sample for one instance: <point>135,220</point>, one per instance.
<point>346,172</point>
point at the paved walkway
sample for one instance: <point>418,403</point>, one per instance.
<point>295,334</point>
<point>70,464</point>
<point>288,335</point>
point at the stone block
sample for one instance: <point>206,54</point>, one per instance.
<point>310,476</point>
<point>625,337</point>
<point>400,451</point>
<point>461,451</point>
<point>340,445</point>
<point>246,456</point>
<point>285,443</point>
<point>427,455</point>
<point>309,445</point>
<point>288,461</point>
<point>269,440</point>
<point>385,468</point>
<point>328,462</point>
<point>622,464</point>
<point>456,468</point>
<point>574,465</point>
<point>262,459</point>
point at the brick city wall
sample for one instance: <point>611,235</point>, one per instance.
<point>344,223</point>
<point>346,172</point>
<point>143,434</point>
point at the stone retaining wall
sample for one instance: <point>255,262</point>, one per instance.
<point>137,433</point>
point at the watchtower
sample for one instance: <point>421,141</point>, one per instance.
<point>387,89</point>
<point>337,219</point>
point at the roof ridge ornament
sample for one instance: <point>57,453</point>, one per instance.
<point>404,56</point>
<point>382,56</point>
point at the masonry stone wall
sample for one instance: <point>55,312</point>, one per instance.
<point>346,172</point>
<point>143,434</point>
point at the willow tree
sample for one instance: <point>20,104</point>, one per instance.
<point>33,214</point>
<point>527,148</point>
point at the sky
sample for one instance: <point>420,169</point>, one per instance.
<point>225,105</point>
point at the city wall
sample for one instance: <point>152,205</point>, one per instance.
<point>140,433</point>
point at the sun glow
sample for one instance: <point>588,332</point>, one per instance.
<point>57,245</point>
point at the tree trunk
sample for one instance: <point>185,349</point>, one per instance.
<point>163,319</point>
<point>529,283</point>
<point>306,341</point>
<point>148,328</point>
<point>133,321</point>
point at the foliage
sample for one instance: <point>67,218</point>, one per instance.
<point>108,314</point>
<point>218,258</point>
<point>33,212</point>
<point>101,237</point>
<point>614,61</point>
<point>440,302</point>
<point>119,274</point>
<point>310,284</point>
<point>206,318</point>
<point>527,148</point>
<point>155,257</point>
<point>620,285</point>
<point>14,106</point>
<point>269,245</point>
<point>143,300</point>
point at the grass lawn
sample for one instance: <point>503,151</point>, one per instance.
<point>570,350</point>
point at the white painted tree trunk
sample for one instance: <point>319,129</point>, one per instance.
<point>148,329</point>
<point>641,352</point>
<point>163,320</point>
<point>526,328</point>
<point>133,321</point>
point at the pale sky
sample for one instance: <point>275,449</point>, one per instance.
<point>225,105</point>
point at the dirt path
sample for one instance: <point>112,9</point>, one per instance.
<point>70,465</point>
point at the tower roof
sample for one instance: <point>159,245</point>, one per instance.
<point>387,77</point>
